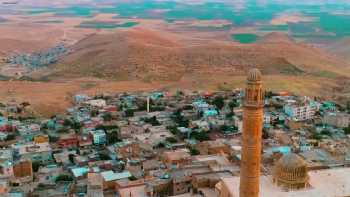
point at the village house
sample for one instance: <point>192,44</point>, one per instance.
<point>84,140</point>
<point>23,169</point>
<point>49,173</point>
<point>41,139</point>
<point>95,185</point>
<point>35,152</point>
<point>154,136</point>
<point>301,110</point>
<point>110,178</point>
<point>63,156</point>
<point>181,182</point>
<point>68,140</point>
<point>176,159</point>
<point>29,131</point>
<point>99,137</point>
<point>100,103</point>
<point>158,187</point>
<point>129,130</point>
<point>6,163</point>
<point>337,119</point>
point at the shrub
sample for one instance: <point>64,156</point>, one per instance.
<point>64,178</point>
<point>171,140</point>
<point>219,102</point>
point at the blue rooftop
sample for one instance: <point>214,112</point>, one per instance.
<point>111,176</point>
<point>78,172</point>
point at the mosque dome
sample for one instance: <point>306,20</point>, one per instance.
<point>290,172</point>
<point>254,75</point>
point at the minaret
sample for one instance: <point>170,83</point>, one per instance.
<point>252,132</point>
<point>148,104</point>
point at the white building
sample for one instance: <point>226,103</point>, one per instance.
<point>97,103</point>
<point>267,118</point>
<point>301,111</point>
<point>99,137</point>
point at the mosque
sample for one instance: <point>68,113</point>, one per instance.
<point>290,176</point>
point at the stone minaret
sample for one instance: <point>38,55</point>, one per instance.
<point>251,139</point>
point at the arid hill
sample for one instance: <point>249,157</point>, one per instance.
<point>150,55</point>
<point>340,48</point>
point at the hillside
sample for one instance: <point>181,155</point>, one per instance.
<point>149,55</point>
<point>340,48</point>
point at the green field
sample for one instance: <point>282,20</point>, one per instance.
<point>106,25</point>
<point>245,38</point>
<point>331,20</point>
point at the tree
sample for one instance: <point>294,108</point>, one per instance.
<point>129,113</point>
<point>63,130</point>
<point>94,113</point>
<point>230,129</point>
<point>10,137</point>
<point>347,130</point>
<point>142,105</point>
<point>326,132</point>
<point>180,119</point>
<point>104,157</point>
<point>71,158</point>
<point>229,115</point>
<point>171,140</point>
<point>67,122</point>
<point>173,130</point>
<point>160,145</point>
<point>64,178</point>
<point>53,139</point>
<point>77,126</point>
<point>112,136</point>
<point>179,94</point>
<point>219,102</point>
<point>153,121</point>
<point>348,106</point>
<point>107,127</point>
<point>268,94</point>
<point>200,136</point>
<point>35,166</point>
<point>194,151</point>
<point>157,108</point>
<point>233,104</point>
<point>107,117</point>
<point>132,178</point>
<point>316,136</point>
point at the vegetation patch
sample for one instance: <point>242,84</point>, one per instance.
<point>291,70</point>
<point>245,38</point>
<point>274,28</point>
<point>326,74</point>
<point>106,25</point>
<point>49,21</point>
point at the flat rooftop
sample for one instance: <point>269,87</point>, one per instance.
<point>324,183</point>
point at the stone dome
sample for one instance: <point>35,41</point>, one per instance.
<point>290,172</point>
<point>254,75</point>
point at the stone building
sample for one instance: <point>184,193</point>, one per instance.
<point>340,120</point>
<point>290,172</point>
